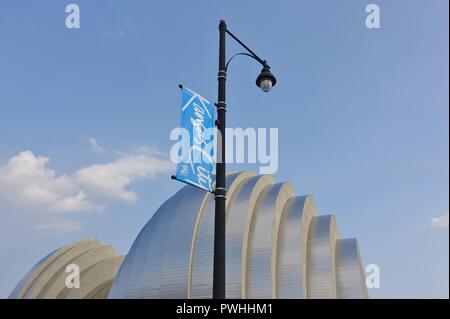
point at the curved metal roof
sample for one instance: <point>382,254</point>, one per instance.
<point>276,247</point>
<point>46,280</point>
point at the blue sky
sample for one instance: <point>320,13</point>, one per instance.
<point>362,117</point>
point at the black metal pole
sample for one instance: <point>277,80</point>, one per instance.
<point>220,190</point>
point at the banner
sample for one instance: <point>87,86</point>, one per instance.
<point>197,164</point>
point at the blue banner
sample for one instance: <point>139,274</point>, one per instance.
<point>197,165</point>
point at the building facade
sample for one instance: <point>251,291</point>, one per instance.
<point>276,247</point>
<point>97,266</point>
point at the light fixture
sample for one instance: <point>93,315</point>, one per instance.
<point>266,80</point>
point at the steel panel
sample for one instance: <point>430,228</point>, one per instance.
<point>322,238</point>
<point>349,271</point>
<point>158,262</point>
<point>239,218</point>
<point>203,252</point>
<point>262,245</point>
<point>292,247</point>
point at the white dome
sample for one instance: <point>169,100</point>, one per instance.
<point>276,247</point>
<point>98,266</point>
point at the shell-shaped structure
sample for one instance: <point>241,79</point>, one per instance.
<point>276,247</point>
<point>97,265</point>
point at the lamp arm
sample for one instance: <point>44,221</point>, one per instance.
<point>242,53</point>
<point>251,53</point>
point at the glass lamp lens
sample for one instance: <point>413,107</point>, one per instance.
<point>266,85</point>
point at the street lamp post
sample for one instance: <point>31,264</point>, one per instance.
<point>266,80</point>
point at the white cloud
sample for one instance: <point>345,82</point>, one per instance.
<point>107,182</point>
<point>95,147</point>
<point>440,222</point>
<point>28,185</point>
<point>148,150</point>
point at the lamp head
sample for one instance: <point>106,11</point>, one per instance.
<point>266,80</point>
